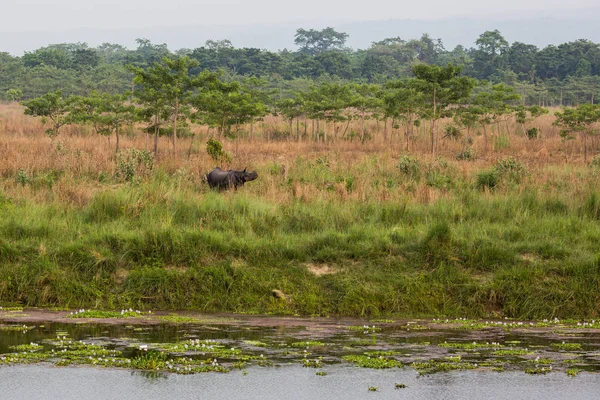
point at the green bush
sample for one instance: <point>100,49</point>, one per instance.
<point>488,179</point>
<point>410,166</point>
<point>595,164</point>
<point>531,133</point>
<point>466,155</point>
<point>214,148</point>
<point>133,162</point>
<point>22,177</point>
<point>511,169</point>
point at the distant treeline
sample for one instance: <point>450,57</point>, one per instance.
<point>567,74</point>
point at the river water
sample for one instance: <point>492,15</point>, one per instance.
<point>288,382</point>
<point>276,359</point>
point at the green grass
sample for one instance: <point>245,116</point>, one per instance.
<point>527,252</point>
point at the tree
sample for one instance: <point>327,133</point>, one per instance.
<point>426,49</point>
<point>147,53</point>
<point>14,94</point>
<point>225,104</point>
<point>291,108</point>
<point>521,60</point>
<point>579,119</point>
<point>495,104</point>
<point>51,106</point>
<point>167,87</point>
<point>366,101</point>
<point>441,87</point>
<point>468,118</point>
<point>328,101</point>
<point>85,59</point>
<point>50,56</point>
<point>489,56</point>
<point>105,112</point>
<point>402,101</point>
<point>528,114</point>
<point>314,41</point>
<point>335,63</point>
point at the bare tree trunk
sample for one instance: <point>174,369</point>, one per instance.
<point>385,129</point>
<point>291,131</point>
<point>117,139</point>
<point>334,131</point>
<point>433,121</point>
<point>156,134</point>
<point>346,128</point>
<point>305,127</point>
<point>485,139</point>
<point>584,134</point>
<point>252,131</point>
<point>176,114</point>
<point>364,129</point>
<point>189,154</point>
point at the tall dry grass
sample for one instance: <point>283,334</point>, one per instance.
<point>81,159</point>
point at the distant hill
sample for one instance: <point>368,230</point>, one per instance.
<point>540,31</point>
<point>537,27</point>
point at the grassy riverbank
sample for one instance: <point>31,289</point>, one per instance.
<point>522,250</point>
<point>341,228</point>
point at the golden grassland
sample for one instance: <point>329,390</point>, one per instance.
<point>82,156</point>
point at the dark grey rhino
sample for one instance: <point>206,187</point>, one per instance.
<point>227,179</point>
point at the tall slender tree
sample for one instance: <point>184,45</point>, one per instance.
<point>167,88</point>
<point>441,88</point>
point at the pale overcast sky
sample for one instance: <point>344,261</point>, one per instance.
<point>28,15</point>
<point>30,24</point>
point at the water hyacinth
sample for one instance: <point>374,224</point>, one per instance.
<point>124,313</point>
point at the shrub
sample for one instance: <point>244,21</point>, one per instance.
<point>214,148</point>
<point>487,179</point>
<point>410,167</point>
<point>511,169</point>
<point>439,180</point>
<point>531,133</point>
<point>466,155</point>
<point>452,132</point>
<point>132,162</point>
<point>595,164</point>
<point>22,177</point>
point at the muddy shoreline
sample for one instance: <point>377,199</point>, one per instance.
<point>320,324</point>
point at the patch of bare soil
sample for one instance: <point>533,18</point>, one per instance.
<point>320,269</point>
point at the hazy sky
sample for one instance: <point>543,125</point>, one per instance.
<point>60,15</point>
<point>271,24</point>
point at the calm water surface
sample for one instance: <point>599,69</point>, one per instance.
<point>281,375</point>
<point>288,382</point>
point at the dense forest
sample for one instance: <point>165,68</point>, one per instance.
<point>567,74</point>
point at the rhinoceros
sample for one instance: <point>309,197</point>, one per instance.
<point>227,179</point>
